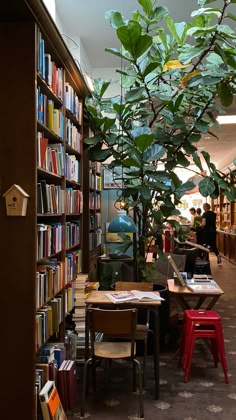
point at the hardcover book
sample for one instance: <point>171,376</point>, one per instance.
<point>126,296</point>
<point>51,405</point>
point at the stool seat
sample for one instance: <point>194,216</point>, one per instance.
<point>204,324</point>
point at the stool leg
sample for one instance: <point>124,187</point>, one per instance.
<point>221,348</point>
<point>214,350</point>
<point>182,344</point>
<point>188,337</point>
<point>189,354</point>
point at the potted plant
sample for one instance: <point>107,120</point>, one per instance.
<point>171,75</point>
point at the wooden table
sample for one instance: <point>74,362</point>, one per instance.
<point>184,296</point>
<point>99,299</point>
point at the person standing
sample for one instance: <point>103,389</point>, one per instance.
<point>198,226</point>
<point>209,230</point>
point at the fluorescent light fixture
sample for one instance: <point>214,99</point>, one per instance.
<point>89,82</point>
<point>226,119</point>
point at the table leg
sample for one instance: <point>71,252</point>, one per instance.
<point>213,302</point>
<point>182,302</point>
<point>156,351</point>
<point>200,302</point>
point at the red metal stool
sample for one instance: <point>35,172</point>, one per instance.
<point>202,324</point>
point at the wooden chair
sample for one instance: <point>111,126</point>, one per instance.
<point>113,323</point>
<point>142,330</point>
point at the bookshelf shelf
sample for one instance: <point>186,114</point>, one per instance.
<point>226,226</point>
<point>35,145</point>
<point>92,212</point>
<point>48,91</point>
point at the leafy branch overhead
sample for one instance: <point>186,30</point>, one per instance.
<point>171,75</point>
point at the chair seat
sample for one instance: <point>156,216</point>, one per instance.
<point>116,350</point>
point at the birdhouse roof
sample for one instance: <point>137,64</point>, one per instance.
<point>17,188</point>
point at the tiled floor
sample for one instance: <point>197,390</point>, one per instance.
<point>204,397</point>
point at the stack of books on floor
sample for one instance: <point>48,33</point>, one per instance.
<point>79,314</point>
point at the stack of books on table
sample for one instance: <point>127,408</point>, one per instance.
<point>79,315</point>
<point>201,283</point>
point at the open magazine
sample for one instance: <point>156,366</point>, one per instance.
<point>126,296</point>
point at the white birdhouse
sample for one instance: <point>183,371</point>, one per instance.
<point>16,201</point>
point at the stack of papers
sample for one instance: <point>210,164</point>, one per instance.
<point>209,286</point>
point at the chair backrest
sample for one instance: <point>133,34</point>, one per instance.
<point>114,323</point>
<point>131,285</point>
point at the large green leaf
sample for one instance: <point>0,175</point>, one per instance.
<point>147,6</point>
<point>99,154</point>
<point>188,52</point>
<point>115,18</point>
<point>207,11</point>
<point>206,186</point>
<point>197,161</point>
<point>132,39</point>
<point>225,93</point>
<point>186,186</point>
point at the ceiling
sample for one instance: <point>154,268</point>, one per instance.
<point>86,19</point>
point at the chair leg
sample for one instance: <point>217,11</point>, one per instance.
<point>140,376</point>
<point>107,369</point>
<point>134,376</point>
<point>145,358</point>
<point>84,386</point>
<point>189,358</point>
<point>94,374</point>
<point>214,350</point>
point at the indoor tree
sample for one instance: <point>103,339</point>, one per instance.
<point>173,77</point>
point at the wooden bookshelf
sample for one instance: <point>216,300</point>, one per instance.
<point>92,212</point>
<point>226,226</point>
<point>23,244</point>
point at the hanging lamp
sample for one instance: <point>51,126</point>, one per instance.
<point>122,223</point>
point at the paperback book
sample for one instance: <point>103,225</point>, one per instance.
<point>126,296</point>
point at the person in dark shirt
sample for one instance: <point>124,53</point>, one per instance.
<point>198,226</point>
<point>209,230</point>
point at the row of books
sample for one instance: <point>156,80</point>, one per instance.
<point>95,183</point>
<point>51,199</point>
<point>47,68</point>
<point>95,239</point>
<point>48,115</point>
<point>50,239</point>
<point>54,200</point>
<point>56,369</point>
<point>95,166</point>
<point>94,201</point>
<point>73,136</point>
<point>48,319</point>
<point>72,168</point>
<point>72,102</point>
<point>73,201</point>
<point>52,276</point>
<point>72,233</point>
<point>50,156</point>
<point>95,220</point>
<point>49,279</point>
<point>51,236</point>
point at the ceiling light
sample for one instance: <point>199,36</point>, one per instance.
<point>226,119</point>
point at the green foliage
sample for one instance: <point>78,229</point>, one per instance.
<point>171,75</point>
